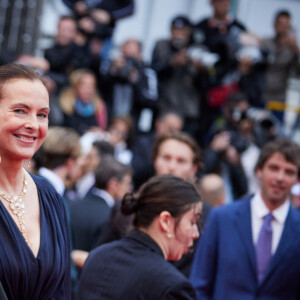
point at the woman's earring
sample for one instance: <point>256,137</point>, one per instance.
<point>28,164</point>
<point>169,235</point>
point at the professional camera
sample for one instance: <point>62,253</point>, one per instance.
<point>236,140</point>
<point>198,53</point>
<point>265,125</point>
<point>130,64</point>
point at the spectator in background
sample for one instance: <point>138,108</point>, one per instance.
<point>80,103</point>
<point>91,161</point>
<point>97,19</point>
<point>129,86</point>
<point>220,34</point>
<point>57,157</point>
<point>282,59</point>
<point>121,136</point>
<point>90,215</point>
<point>177,153</point>
<point>142,162</point>
<point>181,78</point>
<point>247,246</point>
<point>212,190</point>
<point>65,55</point>
<point>250,70</point>
<point>227,143</point>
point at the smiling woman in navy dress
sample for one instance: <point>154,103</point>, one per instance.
<point>34,242</point>
<point>165,211</point>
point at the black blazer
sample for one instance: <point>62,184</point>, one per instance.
<point>88,219</point>
<point>132,268</point>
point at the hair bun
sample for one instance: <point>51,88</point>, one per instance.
<point>129,204</point>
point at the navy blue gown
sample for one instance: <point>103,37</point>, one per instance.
<point>46,276</point>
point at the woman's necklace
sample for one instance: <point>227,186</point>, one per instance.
<point>16,205</point>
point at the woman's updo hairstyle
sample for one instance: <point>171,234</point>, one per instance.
<point>158,194</point>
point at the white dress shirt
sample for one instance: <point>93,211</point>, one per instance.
<point>104,195</point>
<point>259,210</point>
<point>56,181</point>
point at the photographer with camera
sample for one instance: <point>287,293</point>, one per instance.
<point>282,55</point>
<point>235,143</point>
<point>182,78</point>
<point>98,18</point>
<point>129,86</point>
<point>231,149</point>
<point>220,34</point>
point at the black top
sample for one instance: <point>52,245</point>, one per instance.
<point>132,268</point>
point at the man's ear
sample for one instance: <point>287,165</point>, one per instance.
<point>258,173</point>
<point>195,169</point>
<point>112,185</point>
<point>70,162</point>
<point>166,222</point>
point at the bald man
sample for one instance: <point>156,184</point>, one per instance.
<point>212,189</point>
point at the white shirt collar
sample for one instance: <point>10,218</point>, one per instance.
<point>105,195</point>
<point>55,180</point>
<point>260,209</point>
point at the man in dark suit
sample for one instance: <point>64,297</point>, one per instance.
<point>90,215</point>
<point>56,161</point>
<point>250,249</point>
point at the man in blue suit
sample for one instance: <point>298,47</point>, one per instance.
<point>251,249</point>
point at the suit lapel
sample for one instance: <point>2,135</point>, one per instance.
<point>290,235</point>
<point>243,224</point>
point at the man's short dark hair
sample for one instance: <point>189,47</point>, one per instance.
<point>282,13</point>
<point>103,147</point>
<point>180,22</point>
<point>110,168</point>
<point>289,149</point>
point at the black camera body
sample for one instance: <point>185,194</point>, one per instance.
<point>265,124</point>
<point>238,142</point>
<point>130,64</point>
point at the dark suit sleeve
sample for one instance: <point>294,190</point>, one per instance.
<point>184,291</point>
<point>204,266</point>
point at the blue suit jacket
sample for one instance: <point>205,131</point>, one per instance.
<point>224,266</point>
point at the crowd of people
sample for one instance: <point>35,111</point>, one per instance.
<point>144,161</point>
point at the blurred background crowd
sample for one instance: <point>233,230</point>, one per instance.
<point>125,75</point>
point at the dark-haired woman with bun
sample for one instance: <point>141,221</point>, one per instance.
<point>166,211</point>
